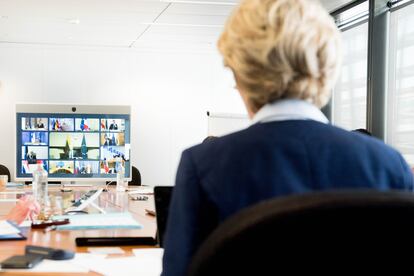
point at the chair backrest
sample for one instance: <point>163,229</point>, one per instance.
<point>5,171</point>
<point>310,231</point>
<point>135,177</point>
<point>162,198</point>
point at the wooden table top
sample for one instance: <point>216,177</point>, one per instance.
<point>110,201</point>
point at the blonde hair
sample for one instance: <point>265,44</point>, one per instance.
<point>282,49</point>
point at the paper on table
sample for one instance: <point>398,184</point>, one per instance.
<point>156,253</point>
<point>83,259</point>
<point>80,264</point>
<point>127,266</point>
<point>106,250</point>
<point>141,190</point>
<point>7,229</point>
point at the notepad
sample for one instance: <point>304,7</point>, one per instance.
<point>9,231</point>
<point>99,221</point>
<point>7,228</point>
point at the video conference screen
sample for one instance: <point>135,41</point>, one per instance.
<point>73,146</point>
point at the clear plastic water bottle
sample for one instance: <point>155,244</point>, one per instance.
<point>39,186</point>
<point>120,180</point>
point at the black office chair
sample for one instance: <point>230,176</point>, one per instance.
<point>311,233</point>
<point>135,177</point>
<point>5,171</point>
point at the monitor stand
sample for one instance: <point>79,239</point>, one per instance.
<point>66,186</point>
<point>77,184</point>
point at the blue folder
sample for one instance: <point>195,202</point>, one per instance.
<point>122,220</point>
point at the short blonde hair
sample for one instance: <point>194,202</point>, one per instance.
<point>281,49</point>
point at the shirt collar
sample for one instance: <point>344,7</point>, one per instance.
<point>289,109</point>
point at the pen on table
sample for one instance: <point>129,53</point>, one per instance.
<point>150,212</point>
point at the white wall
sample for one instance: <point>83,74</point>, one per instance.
<point>169,93</point>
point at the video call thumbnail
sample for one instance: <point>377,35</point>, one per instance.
<point>61,124</point>
<point>115,125</point>
<point>74,146</point>
<point>113,139</point>
<point>61,167</point>
<point>114,153</point>
<point>111,166</point>
<point>34,138</point>
<point>29,168</point>
<point>32,154</point>
<point>86,124</point>
<point>86,167</point>
<point>39,124</point>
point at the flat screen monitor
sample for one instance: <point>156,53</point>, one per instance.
<point>73,142</point>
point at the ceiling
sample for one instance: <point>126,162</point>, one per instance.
<point>140,24</point>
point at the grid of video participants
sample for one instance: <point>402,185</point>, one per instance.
<point>73,146</point>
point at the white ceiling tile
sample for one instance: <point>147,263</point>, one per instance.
<point>213,20</point>
<point>118,22</point>
<point>101,22</point>
<point>175,46</point>
<point>192,9</point>
<point>161,38</point>
<point>185,30</point>
<point>203,2</point>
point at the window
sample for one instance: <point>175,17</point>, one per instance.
<point>350,93</point>
<point>400,109</point>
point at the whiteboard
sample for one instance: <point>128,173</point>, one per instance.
<point>220,124</point>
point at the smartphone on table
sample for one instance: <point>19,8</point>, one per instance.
<point>21,261</point>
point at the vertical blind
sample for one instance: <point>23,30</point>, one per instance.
<point>350,93</point>
<point>400,109</point>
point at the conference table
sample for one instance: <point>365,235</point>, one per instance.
<point>110,201</point>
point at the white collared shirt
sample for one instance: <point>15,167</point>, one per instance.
<point>289,109</point>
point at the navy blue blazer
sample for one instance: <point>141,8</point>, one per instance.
<point>218,178</point>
